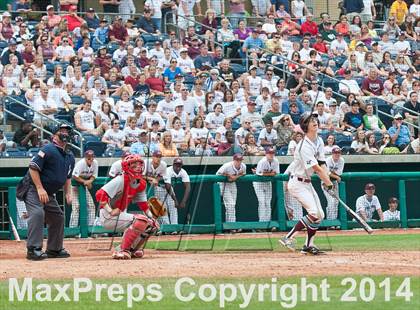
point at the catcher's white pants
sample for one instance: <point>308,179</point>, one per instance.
<point>293,205</point>
<point>307,196</point>
<point>229,192</point>
<point>163,196</point>
<point>115,223</point>
<point>264,193</point>
<point>75,208</point>
<point>332,204</point>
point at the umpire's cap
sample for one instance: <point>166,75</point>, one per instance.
<point>304,120</point>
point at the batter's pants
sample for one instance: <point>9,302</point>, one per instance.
<point>294,205</point>
<point>229,192</point>
<point>332,204</point>
<point>39,214</point>
<point>264,193</point>
<point>172,216</point>
<point>307,196</point>
<point>75,208</point>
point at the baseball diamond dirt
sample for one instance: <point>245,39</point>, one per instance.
<point>159,263</point>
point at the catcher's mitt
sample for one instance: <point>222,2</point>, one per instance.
<point>156,207</point>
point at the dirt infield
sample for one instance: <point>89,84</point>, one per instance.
<point>205,264</point>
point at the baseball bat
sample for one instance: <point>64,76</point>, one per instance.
<point>14,230</point>
<point>356,216</point>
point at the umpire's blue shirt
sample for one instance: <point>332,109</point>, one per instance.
<point>55,166</point>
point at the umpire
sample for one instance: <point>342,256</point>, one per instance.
<point>49,171</point>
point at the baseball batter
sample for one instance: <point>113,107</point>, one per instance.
<point>294,208</point>
<point>309,158</point>
<point>114,198</point>
<point>173,175</point>
<point>269,167</point>
<point>335,165</point>
<point>85,172</point>
<point>232,170</point>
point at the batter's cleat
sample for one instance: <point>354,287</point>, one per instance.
<point>312,250</point>
<point>289,243</point>
<point>137,253</point>
<point>57,254</point>
<point>121,255</point>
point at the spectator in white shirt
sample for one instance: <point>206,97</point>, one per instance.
<point>367,204</point>
<point>85,119</point>
<point>339,46</point>
<point>392,214</point>
<point>64,50</point>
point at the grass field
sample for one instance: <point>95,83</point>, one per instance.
<point>403,242</point>
<point>364,291</point>
<point>332,299</point>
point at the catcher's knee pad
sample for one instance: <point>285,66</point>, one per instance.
<point>138,232</point>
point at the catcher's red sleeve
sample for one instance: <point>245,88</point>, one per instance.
<point>143,206</point>
<point>101,196</point>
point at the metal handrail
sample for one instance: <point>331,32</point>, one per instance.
<point>78,133</point>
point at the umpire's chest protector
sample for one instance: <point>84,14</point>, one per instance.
<point>55,166</point>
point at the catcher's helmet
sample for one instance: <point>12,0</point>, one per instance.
<point>304,120</point>
<point>126,166</point>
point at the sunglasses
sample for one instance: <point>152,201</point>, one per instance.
<point>117,123</point>
<point>184,89</point>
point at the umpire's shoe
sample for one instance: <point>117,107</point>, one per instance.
<point>312,250</point>
<point>35,254</point>
<point>57,254</point>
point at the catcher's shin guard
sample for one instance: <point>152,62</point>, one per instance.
<point>137,234</point>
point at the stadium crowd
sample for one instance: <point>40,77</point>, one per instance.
<point>218,87</point>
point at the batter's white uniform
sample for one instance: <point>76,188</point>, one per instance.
<point>82,170</point>
<point>291,202</point>
<point>158,173</point>
<point>332,203</point>
<point>228,190</point>
<point>368,205</point>
<point>264,190</point>
<point>116,169</point>
<point>306,156</point>
<point>170,178</point>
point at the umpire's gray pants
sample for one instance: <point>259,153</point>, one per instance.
<point>51,214</point>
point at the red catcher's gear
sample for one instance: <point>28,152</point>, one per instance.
<point>126,166</point>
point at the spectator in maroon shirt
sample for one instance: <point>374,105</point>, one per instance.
<point>143,60</point>
<point>133,79</point>
<point>117,32</point>
<point>372,86</point>
<point>194,49</point>
<point>189,36</point>
<point>309,26</point>
<point>28,54</point>
<point>156,84</point>
<point>104,61</point>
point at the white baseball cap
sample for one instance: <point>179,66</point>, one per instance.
<point>50,7</point>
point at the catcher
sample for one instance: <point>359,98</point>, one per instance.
<point>114,198</point>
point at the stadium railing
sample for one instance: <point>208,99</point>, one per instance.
<point>10,106</point>
<point>279,218</point>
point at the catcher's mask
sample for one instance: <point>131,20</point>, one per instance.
<point>66,135</point>
<point>133,165</point>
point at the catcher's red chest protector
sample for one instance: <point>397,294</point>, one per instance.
<point>122,201</point>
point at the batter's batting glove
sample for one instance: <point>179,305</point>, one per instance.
<point>330,190</point>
